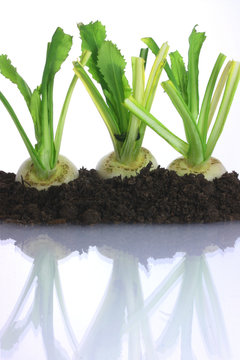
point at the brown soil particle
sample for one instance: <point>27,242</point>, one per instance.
<point>158,196</point>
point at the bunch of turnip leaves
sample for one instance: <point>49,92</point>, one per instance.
<point>45,153</point>
<point>106,66</point>
<point>183,90</point>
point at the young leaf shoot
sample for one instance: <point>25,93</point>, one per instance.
<point>183,90</point>
<point>45,166</point>
<point>106,65</point>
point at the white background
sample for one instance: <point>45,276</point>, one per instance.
<point>26,27</point>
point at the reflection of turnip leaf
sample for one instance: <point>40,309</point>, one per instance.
<point>122,299</point>
<point>12,334</point>
<point>161,290</point>
<point>197,291</point>
<point>210,316</point>
<point>180,321</point>
<point>103,339</point>
<point>45,272</point>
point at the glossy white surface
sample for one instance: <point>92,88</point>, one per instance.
<point>136,292</point>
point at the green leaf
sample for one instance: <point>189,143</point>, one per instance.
<point>112,66</point>
<point>58,50</point>
<point>180,73</point>
<point>93,35</point>
<point>10,72</point>
<point>151,44</point>
<point>196,40</point>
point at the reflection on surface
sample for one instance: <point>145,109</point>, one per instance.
<point>197,292</point>
<point>45,276</point>
<point>123,298</point>
<point>131,292</point>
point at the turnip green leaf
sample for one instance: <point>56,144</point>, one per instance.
<point>196,40</point>
<point>93,35</point>
<point>10,72</point>
<point>112,66</point>
<point>180,73</point>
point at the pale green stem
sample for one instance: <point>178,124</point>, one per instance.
<point>230,89</point>
<point>45,150</point>
<point>218,92</point>
<point>138,110</point>
<point>128,152</point>
<point>58,136</point>
<point>196,151</point>
<point>205,108</point>
<point>100,104</point>
<point>154,76</point>
<point>151,86</point>
<point>61,122</point>
<point>50,122</point>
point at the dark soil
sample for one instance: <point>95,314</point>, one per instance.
<point>158,196</point>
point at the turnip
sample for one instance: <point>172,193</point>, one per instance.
<point>107,67</point>
<point>182,89</point>
<point>45,166</point>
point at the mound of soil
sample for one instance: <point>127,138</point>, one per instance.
<point>158,196</point>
